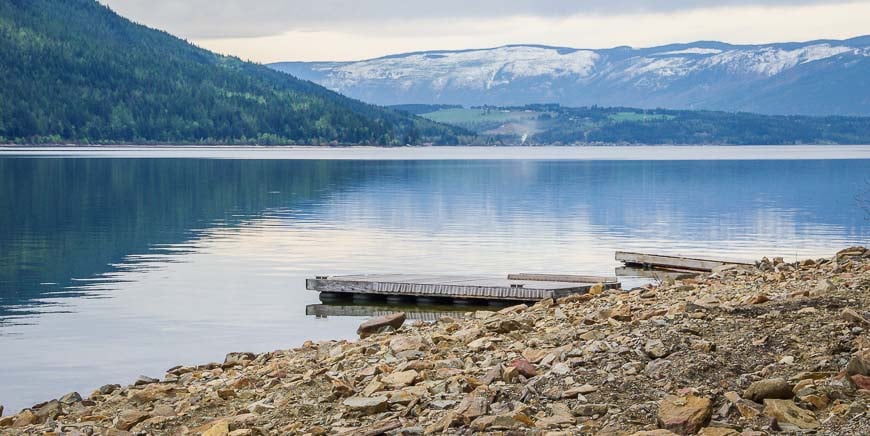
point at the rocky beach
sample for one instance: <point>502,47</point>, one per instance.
<point>766,349</point>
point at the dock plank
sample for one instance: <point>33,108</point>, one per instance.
<point>674,261</point>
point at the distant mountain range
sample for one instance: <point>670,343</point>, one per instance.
<point>825,77</point>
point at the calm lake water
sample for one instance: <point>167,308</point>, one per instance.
<point>121,262</point>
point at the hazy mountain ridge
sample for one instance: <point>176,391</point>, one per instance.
<point>824,77</point>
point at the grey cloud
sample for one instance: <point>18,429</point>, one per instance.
<point>245,18</point>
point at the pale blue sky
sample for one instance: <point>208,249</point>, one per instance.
<point>274,30</point>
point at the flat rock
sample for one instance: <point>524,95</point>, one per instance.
<point>129,418</point>
<point>718,431</point>
<point>777,388</point>
<point>145,380</point>
<point>406,343</point>
<point>367,405</point>
<point>684,414</point>
<point>220,428</point>
<point>401,378</point>
<point>789,416</point>
<point>380,324</point>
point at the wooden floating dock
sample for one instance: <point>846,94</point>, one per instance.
<point>674,262</point>
<point>457,288</point>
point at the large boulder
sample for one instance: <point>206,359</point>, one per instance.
<point>367,405</point>
<point>776,388</point>
<point>789,416</point>
<point>684,414</point>
<point>381,324</point>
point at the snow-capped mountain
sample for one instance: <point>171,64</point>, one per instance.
<point>815,78</point>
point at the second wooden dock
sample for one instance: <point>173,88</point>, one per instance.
<point>454,287</point>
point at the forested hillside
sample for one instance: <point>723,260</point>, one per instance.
<point>74,71</point>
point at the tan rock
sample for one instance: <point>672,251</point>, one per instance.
<point>853,317</point>
<point>406,343</point>
<point>659,432</point>
<point>776,388</point>
<point>129,418</point>
<point>367,405</point>
<point>381,324</point>
<point>789,416</point>
<point>219,428</point>
<point>859,364</point>
<point>401,378</point>
<point>25,418</point>
<point>684,414</point>
<point>717,431</point>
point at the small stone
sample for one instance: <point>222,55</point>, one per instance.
<point>656,349</point>
<point>500,325</point>
<point>381,324</point>
<point>758,299</point>
<point>861,381</point>
<point>129,418</point>
<point>717,431</point>
<point>776,388</point>
<point>49,410</point>
<point>220,428</point>
<point>25,418</point>
<point>525,368</point>
<point>684,415</point>
<point>851,316</point>
<point>108,389</point>
<point>406,343</point>
<point>789,416</point>
<point>163,410</point>
<point>510,374</point>
<point>70,398</point>
<point>233,359</point>
<point>596,289</point>
<point>659,432</point>
<point>480,344</point>
<point>401,378</point>
<point>561,368</point>
<point>475,404</point>
<point>367,405</point>
<point>590,409</point>
<point>859,364</point>
<point>145,380</point>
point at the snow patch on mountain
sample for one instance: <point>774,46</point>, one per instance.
<point>474,69</point>
<point>692,51</point>
<point>771,61</point>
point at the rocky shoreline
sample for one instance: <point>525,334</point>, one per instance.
<point>775,348</point>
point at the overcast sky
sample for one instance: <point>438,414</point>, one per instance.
<point>286,30</point>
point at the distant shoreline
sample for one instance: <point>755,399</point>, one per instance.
<point>620,153</point>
